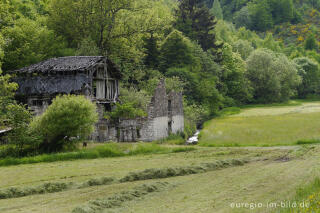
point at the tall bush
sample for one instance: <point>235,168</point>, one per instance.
<point>310,74</point>
<point>273,77</point>
<point>67,118</point>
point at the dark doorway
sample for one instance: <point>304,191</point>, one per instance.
<point>169,106</point>
<point>169,127</point>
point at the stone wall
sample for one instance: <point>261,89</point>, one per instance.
<point>175,112</point>
<point>165,116</point>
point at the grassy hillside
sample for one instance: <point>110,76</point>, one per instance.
<point>265,126</point>
<point>291,21</point>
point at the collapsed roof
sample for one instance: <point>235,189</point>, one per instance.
<point>48,80</point>
<point>69,64</point>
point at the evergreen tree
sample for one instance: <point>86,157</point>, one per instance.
<point>151,51</point>
<point>242,18</point>
<point>216,9</point>
<point>261,15</point>
<point>282,10</point>
<point>195,21</point>
<point>175,52</point>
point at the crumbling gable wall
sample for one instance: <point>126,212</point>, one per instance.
<point>165,116</point>
<point>156,125</point>
<point>175,111</point>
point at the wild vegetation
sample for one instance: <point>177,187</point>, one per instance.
<point>238,63</point>
<point>219,53</point>
<point>101,151</point>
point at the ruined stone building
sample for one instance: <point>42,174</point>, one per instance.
<point>97,78</point>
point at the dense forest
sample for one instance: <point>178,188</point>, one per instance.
<point>219,53</point>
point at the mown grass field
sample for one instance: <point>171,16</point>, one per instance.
<point>270,174</point>
<point>154,178</point>
<point>265,126</point>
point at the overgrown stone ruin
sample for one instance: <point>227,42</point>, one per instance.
<point>97,78</point>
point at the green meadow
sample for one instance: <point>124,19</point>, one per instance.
<point>255,168</point>
<point>265,126</point>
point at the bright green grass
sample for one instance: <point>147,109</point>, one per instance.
<point>103,151</point>
<point>307,198</point>
<point>265,127</point>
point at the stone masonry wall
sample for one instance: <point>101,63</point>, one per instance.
<point>165,114</point>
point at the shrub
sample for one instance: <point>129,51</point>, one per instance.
<point>22,139</point>
<point>126,111</point>
<point>16,117</point>
<point>310,74</point>
<point>273,77</point>
<point>67,118</point>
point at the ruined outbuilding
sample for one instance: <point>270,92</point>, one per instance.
<point>165,117</point>
<point>97,78</point>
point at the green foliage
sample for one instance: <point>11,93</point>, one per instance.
<point>174,84</point>
<point>273,77</point>
<point>261,16</point>
<point>199,77</point>
<point>152,52</point>
<point>282,10</point>
<point>1,51</point>
<point>243,47</point>
<point>195,21</point>
<point>134,104</point>
<point>30,42</point>
<point>173,139</point>
<point>139,98</point>
<point>7,90</point>
<point>21,137</point>
<point>87,47</point>
<point>236,85</point>
<point>15,117</point>
<point>216,9</point>
<point>116,27</point>
<point>175,52</point>
<point>125,111</point>
<point>242,18</point>
<point>229,111</point>
<point>311,43</point>
<point>68,117</point>
<point>181,41</point>
<point>310,74</point>
<point>196,114</point>
<point>6,18</point>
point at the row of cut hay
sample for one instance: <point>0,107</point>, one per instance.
<point>14,192</point>
<point>153,173</point>
<point>118,199</point>
<point>180,171</point>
